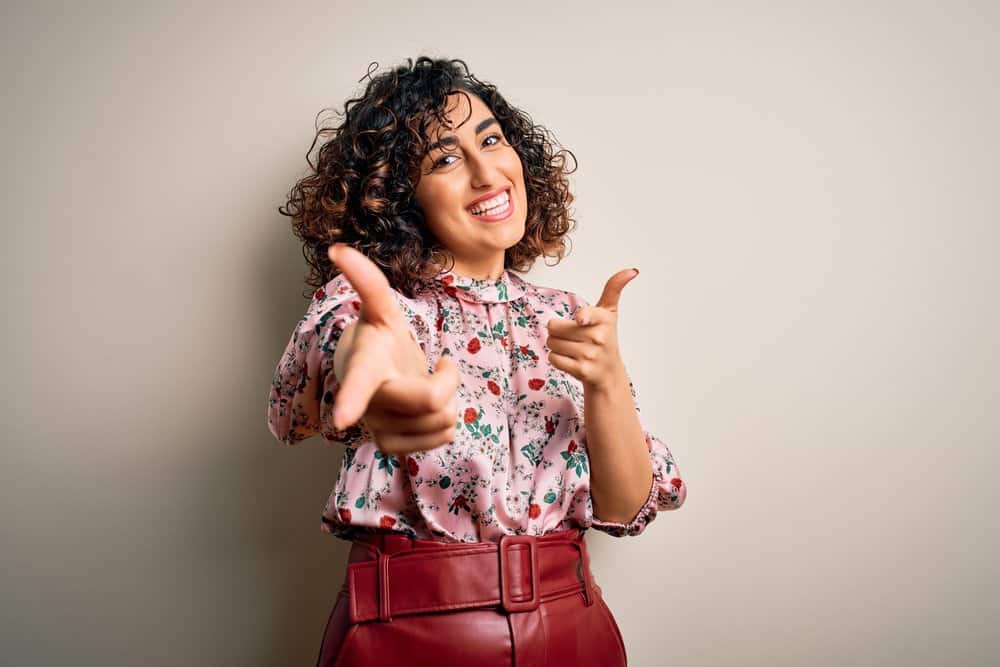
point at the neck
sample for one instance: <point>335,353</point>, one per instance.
<point>491,269</point>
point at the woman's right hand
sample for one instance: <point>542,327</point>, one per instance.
<point>383,372</point>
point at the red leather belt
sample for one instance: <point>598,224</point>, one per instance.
<point>393,575</point>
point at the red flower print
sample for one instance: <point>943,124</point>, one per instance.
<point>460,502</point>
<point>345,514</point>
<point>387,521</point>
<point>503,341</point>
<point>412,467</point>
<point>439,324</point>
<point>449,279</point>
<point>536,383</point>
<point>549,426</point>
<point>320,294</point>
<point>450,291</point>
<point>356,304</point>
<point>523,349</point>
<point>473,346</point>
<point>534,510</point>
<point>572,446</point>
<point>470,415</point>
<point>676,482</point>
<point>493,387</point>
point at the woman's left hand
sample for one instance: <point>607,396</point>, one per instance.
<point>586,347</point>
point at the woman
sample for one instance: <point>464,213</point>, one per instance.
<point>459,389</point>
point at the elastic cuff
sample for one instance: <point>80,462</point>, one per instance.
<point>640,518</point>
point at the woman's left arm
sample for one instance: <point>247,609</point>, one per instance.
<point>622,481</point>
<point>621,474</point>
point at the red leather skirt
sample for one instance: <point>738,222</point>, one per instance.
<point>524,601</point>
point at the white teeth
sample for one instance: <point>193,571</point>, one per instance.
<point>484,207</point>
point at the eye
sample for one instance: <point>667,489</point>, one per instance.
<point>440,162</point>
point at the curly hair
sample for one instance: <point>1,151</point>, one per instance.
<point>361,189</point>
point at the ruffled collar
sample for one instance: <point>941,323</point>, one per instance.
<point>507,287</point>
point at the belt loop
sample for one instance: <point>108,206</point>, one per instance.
<point>383,587</point>
<point>585,574</point>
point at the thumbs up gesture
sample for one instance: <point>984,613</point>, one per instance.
<point>383,372</point>
<point>586,347</point>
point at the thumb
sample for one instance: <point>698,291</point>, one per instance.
<point>613,288</point>
<point>444,381</point>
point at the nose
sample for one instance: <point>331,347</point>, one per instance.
<point>484,172</point>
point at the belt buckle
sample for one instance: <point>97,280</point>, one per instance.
<point>506,597</point>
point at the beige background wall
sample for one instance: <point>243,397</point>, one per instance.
<point>809,190</point>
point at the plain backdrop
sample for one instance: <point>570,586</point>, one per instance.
<point>809,189</point>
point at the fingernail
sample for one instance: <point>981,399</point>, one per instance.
<point>636,271</point>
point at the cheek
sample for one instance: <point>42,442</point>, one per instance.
<point>430,200</point>
<point>515,164</point>
<point>517,170</point>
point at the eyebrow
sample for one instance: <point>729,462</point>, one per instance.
<point>450,139</point>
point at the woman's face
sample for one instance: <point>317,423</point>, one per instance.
<point>473,163</point>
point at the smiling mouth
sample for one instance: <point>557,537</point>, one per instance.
<point>497,208</point>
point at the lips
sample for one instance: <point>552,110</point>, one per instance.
<point>499,212</point>
<point>491,195</point>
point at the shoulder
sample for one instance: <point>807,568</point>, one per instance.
<point>336,289</point>
<point>338,292</point>
<point>337,301</point>
<point>336,296</point>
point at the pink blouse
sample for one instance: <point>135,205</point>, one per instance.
<point>518,464</point>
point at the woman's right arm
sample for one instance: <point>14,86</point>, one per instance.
<point>354,357</point>
<point>382,370</point>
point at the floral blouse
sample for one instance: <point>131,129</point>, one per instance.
<point>518,464</point>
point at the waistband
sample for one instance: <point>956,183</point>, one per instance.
<point>391,574</point>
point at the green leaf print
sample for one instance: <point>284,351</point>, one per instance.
<point>360,502</point>
<point>532,453</point>
<point>550,497</point>
<point>576,461</point>
<point>387,462</point>
<point>499,329</point>
<point>444,482</point>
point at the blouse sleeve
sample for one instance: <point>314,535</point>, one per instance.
<point>667,491</point>
<point>304,386</point>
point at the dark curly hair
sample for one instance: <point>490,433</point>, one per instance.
<point>361,190</point>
